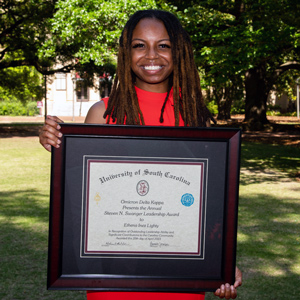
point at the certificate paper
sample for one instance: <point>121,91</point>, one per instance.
<point>141,206</point>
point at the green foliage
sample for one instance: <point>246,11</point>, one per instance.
<point>212,107</point>
<point>21,83</point>
<point>24,27</point>
<point>238,35</point>
<point>230,38</point>
<point>238,107</point>
<point>18,109</point>
<point>89,29</point>
<point>233,37</point>
<point>287,84</point>
<point>276,112</point>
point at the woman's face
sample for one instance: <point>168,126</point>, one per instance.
<point>151,56</point>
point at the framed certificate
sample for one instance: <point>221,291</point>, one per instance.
<point>139,208</point>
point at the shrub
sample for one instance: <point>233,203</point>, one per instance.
<point>18,109</point>
<point>32,109</point>
<point>274,107</point>
<point>212,107</point>
<point>238,107</point>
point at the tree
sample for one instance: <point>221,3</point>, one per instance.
<point>256,41</point>
<point>24,28</point>
<point>59,36</point>
<point>239,44</point>
<point>88,31</point>
<point>56,35</point>
<point>21,83</point>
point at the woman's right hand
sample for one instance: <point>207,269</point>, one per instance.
<point>50,134</point>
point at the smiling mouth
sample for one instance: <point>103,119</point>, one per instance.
<point>152,68</point>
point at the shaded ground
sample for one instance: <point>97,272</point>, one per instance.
<point>16,130</point>
<point>26,126</point>
<point>280,131</point>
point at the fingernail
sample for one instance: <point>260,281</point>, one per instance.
<point>60,134</point>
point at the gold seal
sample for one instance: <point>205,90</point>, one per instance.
<point>97,198</point>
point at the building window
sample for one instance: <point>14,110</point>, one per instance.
<point>61,82</point>
<point>82,92</point>
<point>105,82</point>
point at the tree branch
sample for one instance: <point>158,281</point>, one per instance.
<point>46,71</point>
<point>291,65</point>
<point>41,69</point>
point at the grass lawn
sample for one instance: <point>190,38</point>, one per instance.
<point>24,194</point>
<point>268,237</point>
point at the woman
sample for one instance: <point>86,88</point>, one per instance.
<point>157,83</point>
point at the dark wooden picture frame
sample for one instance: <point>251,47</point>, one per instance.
<point>68,269</point>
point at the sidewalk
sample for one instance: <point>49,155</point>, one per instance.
<point>36,119</point>
<point>30,126</point>
<point>40,119</point>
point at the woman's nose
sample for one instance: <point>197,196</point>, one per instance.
<point>151,53</point>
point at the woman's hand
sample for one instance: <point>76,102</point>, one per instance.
<point>228,291</point>
<point>50,134</point>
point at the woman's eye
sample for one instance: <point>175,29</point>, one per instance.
<point>139,45</point>
<point>165,46</point>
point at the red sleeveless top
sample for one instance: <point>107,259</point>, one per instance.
<point>150,104</point>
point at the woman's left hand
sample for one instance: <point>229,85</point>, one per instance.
<point>228,291</point>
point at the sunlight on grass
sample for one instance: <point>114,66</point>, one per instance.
<point>274,270</point>
<point>28,222</point>
<point>288,218</point>
<point>242,237</point>
<point>296,267</point>
<point>291,158</point>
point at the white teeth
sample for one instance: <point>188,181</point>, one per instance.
<point>152,68</point>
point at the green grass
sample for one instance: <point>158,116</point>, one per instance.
<point>24,194</point>
<point>269,223</point>
<point>268,236</point>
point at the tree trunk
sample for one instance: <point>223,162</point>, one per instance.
<point>256,97</point>
<point>224,107</point>
<point>223,102</point>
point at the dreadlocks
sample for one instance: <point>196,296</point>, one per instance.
<point>123,106</point>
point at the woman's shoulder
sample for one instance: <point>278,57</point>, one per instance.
<point>96,112</point>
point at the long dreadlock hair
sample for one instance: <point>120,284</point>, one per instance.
<point>123,106</point>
